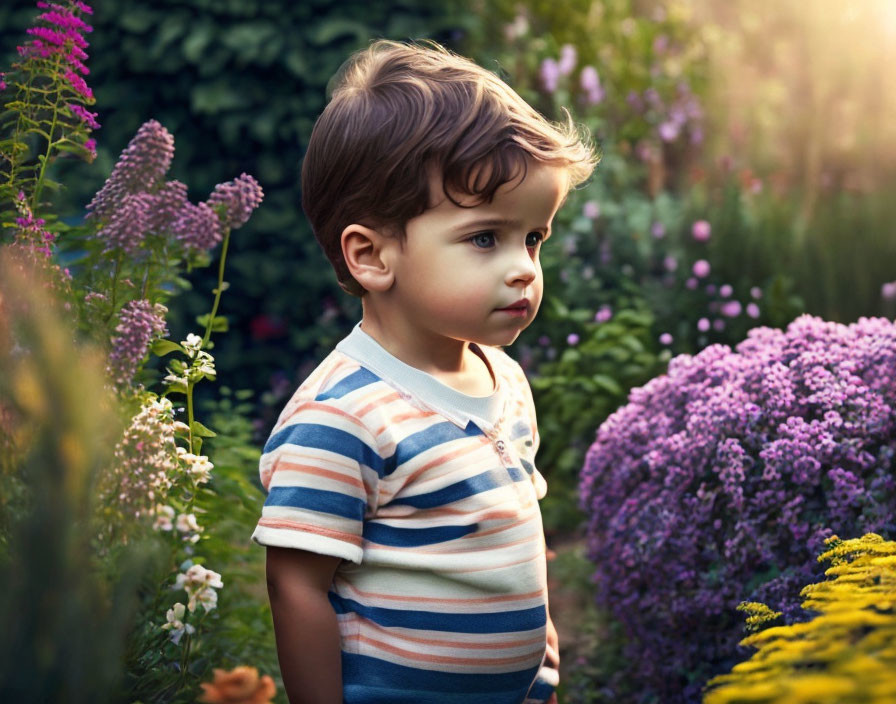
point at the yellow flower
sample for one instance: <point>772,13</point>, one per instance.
<point>241,685</point>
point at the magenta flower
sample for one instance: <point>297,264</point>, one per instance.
<point>572,339</point>
<point>725,290</point>
<point>666,339</point>
<point>701,230</point>
<point>752,310</point>
<point>82,113</point>
<point>703,325</point>
<point>701,268</point>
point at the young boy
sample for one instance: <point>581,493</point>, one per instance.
<point>405,551</point>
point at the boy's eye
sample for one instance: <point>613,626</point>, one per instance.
<point>533,239</point>
<point>483,240</point>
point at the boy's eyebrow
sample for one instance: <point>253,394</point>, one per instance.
<point>491,222</point>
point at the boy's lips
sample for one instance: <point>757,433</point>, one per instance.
<point>520,307</point>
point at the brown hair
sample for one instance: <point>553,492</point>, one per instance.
<point>398,109</point>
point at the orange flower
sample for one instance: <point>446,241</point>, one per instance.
<point>241,685</point>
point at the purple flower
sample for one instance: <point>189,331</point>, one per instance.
<point>752,310</point>
<point>83,114</point>
<point>197,227</point>
<point>731,309</point>
<point>590,82</point>
<point>703,325</point>
<point>756,292</point>
<point>725,290</point>
<point>666,339</point>
<point>701,268</point>
<point>544,340</point>
<point>139,323</point>
<point>701,230</point>
<point>603,315</point>
<point>550,74</point>
<point>719,481</point>
<point>691,283</point>
<point>141,167</point>
<point>568,58</point>
<point>238,199</point>
<point>126,228</point>
<point>572,339</point>
<point>718,324</point>
<point>591,209</point>
<point>658,230</point>
<point>670,263</point>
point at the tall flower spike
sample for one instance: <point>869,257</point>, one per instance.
<point>197,227</point>
<point>141,167</point>
<point>240,196</point>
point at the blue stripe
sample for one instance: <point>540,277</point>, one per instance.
<point>541,691</point>
<point>414,537</point>
<point>370,680</point>
<point>492,479</point>
<point>324,437</point>
<point>495,622</point>
<point>353,382</point>
<point>431,437</point>
<point>527,466</point>
<point>317,500</point>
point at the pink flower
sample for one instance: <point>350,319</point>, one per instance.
<point>691,283</point>
<point>888,291</point>
<point>703,324</point>
<point>756,292</point>
<point>603,315</point>
<point>725,290</point>
<point>238,198</point>
<point>668,131</point>
<point>670,263</point>
<point>718,324</point>
<point>666,339</point>
<point>752,310</point>
<point>550,74</point>
<point>701,230</point>
<point>701,268</point>
<point>590,82</point>
<point>658,230</point>
<point>87,117</point>
<point>591,209</point>
<point>568,58</point>
<point>731,309</point>
<point>572,339</point>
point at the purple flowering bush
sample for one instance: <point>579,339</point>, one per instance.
<point>719,481</point>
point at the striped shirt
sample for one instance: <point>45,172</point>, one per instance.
<point>430,497</point>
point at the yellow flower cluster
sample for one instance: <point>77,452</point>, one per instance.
<point>845,655</point>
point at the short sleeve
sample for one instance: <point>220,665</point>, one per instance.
<point>320,468</point>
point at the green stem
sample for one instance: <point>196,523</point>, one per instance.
<point>190,413</point>
<point>38,186</point>
<point>218,290</point>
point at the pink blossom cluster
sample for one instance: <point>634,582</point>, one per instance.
<point>140,322</point>
<point>31,232</point>
<point>719,481</point>
<point>59,33</point>
<point>238,198</point>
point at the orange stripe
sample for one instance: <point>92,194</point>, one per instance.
<point>319,472</point>
<point>323,408</point>
<point>316,530</point>
<point>382,401</point>
<point>444,659</point>
<point>439,600</point>
<point>395,420</point>
<point>442,459</point>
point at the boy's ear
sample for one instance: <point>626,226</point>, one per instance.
<point>363,249</point>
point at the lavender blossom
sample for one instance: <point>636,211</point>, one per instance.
<point>239,198</point>
<point>718,482</point>
<point>197,227</point>
<point>140,322</point>
<point>141,167</point>
<point>550,74</point>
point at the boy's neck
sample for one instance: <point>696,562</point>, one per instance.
<point>450,361</point>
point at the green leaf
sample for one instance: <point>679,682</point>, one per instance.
<point>199,430</point>
<point>607,384</point>
<point>219,324</point>
<point>162,347</point>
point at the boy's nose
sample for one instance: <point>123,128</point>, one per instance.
<point>522,268</point>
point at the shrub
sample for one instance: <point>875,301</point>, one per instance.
<point>845,654</point>
<point>719,482</point>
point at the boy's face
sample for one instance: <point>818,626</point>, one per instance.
<point>472,274</point>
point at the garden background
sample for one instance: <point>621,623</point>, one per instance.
<point>748,157</point>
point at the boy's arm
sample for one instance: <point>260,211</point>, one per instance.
<point>305,624</point>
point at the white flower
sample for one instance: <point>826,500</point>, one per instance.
<point>175,623</point>
<point>177,380</point>
<point>164,514</point>
<point>192,344</point>
<point>200,583</point>
<point>201,470</point>
<point>181,427</point>
<point>186,523</point>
